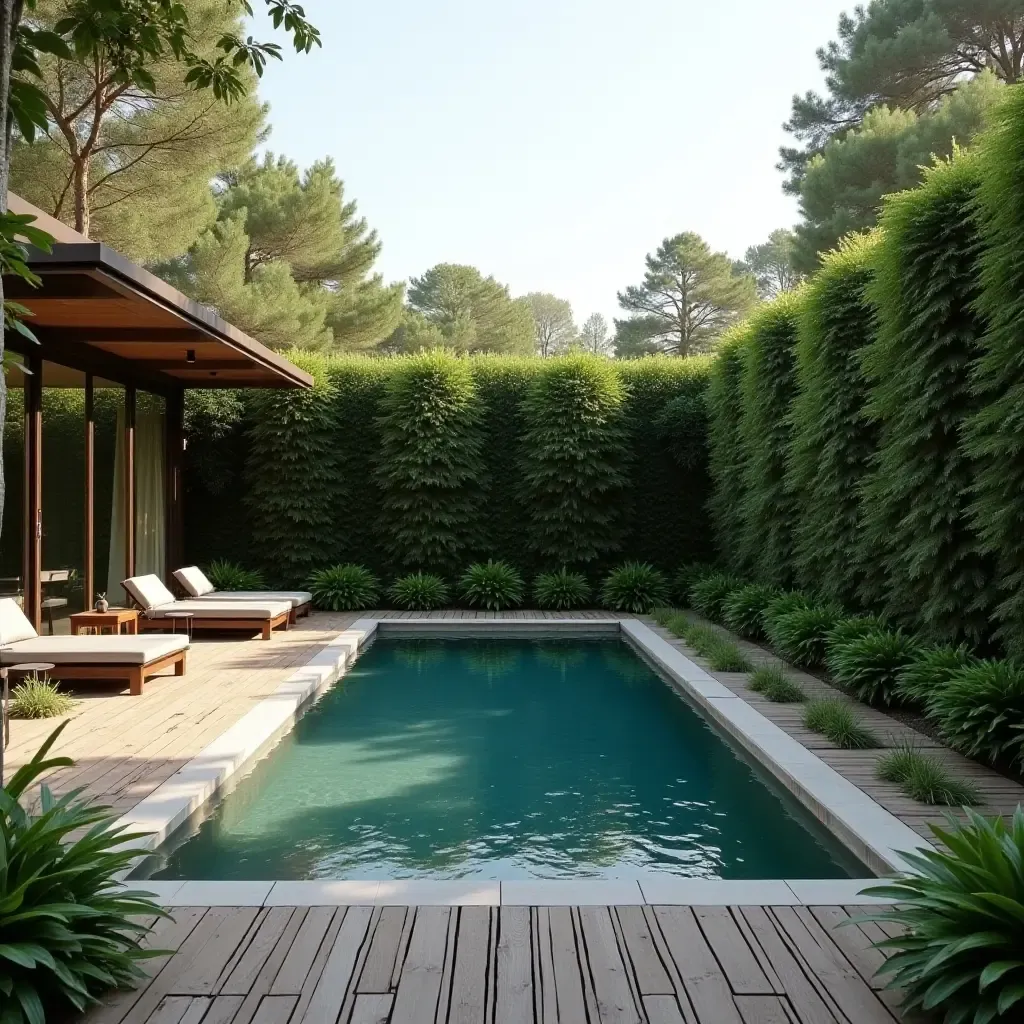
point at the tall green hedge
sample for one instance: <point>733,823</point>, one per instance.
<point>429,467</point>
<point>766,533</point>
<point>328,472</point>
<point>831,440</point>
<point>573,460</point>
<point>927,567</point>
<point>995,432</point>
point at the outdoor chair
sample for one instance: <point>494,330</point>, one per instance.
<point>194,582</point>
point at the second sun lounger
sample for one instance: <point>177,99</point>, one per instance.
<point>194,582</point>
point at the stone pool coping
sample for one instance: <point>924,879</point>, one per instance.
<point>869,831</point>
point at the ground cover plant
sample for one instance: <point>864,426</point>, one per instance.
<point>561,589</point>
<point>743,609</point>
<point>492,585</point>
<point>343,588</point>
<point>419,591</point>
<point>37,698</point>
<point>869,667</point>
<point>773,684</point>
<point>708,593</point>
<point>924,777</point>
<point>799,636</point>
<point>225,575</point>
<point>835,719</point>
<point>962,910</point>
<point>68,929</point>
<point>634,587</point>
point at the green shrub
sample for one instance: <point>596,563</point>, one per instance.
<point>492,585</point>
<point>869,667</point>
<point>832,442</point>
<point>68,929</point>
<point>420,591</point>
<point>574,459</point>
<point>773,684</point>
<point>429,468</point>
<point>834,719</point>
<point>924,778</point>
<point>343,588</point>
<point>685,578</point>
<point>634,587</point>
<point>36,698</point>
<point>799,635</point>
<point>980,711</point>
<point>743,609</point>
<point>708,594</point>
<point>929,670</point>
<point>225,575</point>
<point>852,628</point>
<point>561,589</point>
<point>961,919</point>
<point>727,657</point>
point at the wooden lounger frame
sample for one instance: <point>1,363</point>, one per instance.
<point>134,675</point>
<point>248,622</point>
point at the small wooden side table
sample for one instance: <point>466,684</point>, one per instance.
<point>112,619</point>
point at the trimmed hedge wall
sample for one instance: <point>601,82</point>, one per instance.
<point>432,461</point>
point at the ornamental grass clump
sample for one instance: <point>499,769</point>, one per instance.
<point>784,603</point>
<point>773,684</point>
<point>851,628</point>
<point>561,590</point>
<point>980,711</point>
<point>924,778</point>
<point>662,615</point>
<point>492,585</point>
<point>708,594</point>
<point>799,636</point>
<point>225,575</point>
<point>727,657</point>
<point>743,609</point>
<point>869,667</point>
<point>634,587</point>
<point>419,591</point>
<point>834,719</point>
<point>685,578</point>
<point>69,930</point>
<point>701,638</point>
<point>36,698</point>
<point>343,588</point>
<point>961,916</point>
<point>929,670</point>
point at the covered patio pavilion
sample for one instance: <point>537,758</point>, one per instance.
<point>95,421</point>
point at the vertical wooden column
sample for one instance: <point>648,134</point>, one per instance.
<point>174,436</point>
<point>33,490</point>
<point>89,574</point>
<point>129,481</point>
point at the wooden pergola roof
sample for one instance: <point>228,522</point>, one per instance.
<point>99,311</point>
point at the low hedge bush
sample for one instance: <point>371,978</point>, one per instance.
<point>344,588</point>
<point>634,587</point>
<point>561,590</point>
<point>708,594</point>
<point>929,670</point>
<point>743,609</point>
<point>799,635</point>
<point>419,591</point>
<point>869,666</point>
<point>492,585</point>
<point>961,916</point>
<point>980,711</point>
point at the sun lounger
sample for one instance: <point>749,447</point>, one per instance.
<point>194,582</point>
<point>157,602</point>
<point>130,658</point>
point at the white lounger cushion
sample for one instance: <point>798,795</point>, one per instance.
<point>149,591</point>
<point>93,650</point>
<point>13,624</point>
<point>203,608</point>
<point>194,580</point>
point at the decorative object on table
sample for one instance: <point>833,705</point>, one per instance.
<point>113,619</point>
<point>101,603</point>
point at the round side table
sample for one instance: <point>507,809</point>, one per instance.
<point>186,620</point>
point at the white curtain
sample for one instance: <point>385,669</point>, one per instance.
<point>150,506</point>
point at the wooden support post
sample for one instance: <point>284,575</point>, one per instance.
<point>33,490</point>
<point>129,481</point>
<point>174,434</point>
<point>89,573</point>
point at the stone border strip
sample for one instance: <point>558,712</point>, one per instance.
<point>694,892</point>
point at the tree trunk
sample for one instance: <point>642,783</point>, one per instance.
<point>81,172</point>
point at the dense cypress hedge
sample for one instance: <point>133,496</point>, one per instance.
<point>766,531</point>
<point>831,440</point>
<point>919,540</point>
<point>328,474</point>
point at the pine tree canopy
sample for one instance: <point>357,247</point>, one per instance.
<point>689,296</point>
<point>772,264</point>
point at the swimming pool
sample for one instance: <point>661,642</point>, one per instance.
<point>503,758</point>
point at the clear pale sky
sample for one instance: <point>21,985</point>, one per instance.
<point>552,143</point>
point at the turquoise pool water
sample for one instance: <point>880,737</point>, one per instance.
<point>503,759</point>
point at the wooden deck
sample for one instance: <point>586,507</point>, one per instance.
<point>509,965</point>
